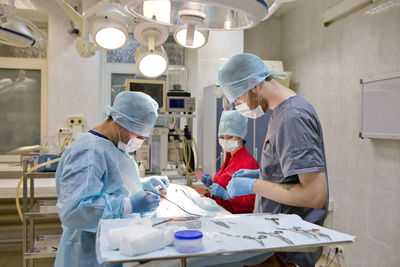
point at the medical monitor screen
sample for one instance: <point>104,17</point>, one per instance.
<point>155,89</point>
<point>177,103</point>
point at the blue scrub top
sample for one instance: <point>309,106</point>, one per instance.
<point>93,179</point>
<point>293,145</point>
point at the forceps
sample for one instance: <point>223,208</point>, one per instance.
<point>257,239</point>
<point>297,229</point>
<point>275,220</point>
<point>277,234</point>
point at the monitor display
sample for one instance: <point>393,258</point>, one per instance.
<point>154,88</point>
<point>176,103</point>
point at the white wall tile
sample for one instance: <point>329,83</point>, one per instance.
<point>364,177</point>
<point>380,254</point>
<point>384,217</point>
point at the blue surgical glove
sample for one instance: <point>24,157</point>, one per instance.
<point>240,187</point>
<point>219,191</point>
<point>206,179</point>
<point>150,183</point>
<point>244,173</point>
<point>144,201</point>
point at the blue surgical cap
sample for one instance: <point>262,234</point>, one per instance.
<point>240,74</point>
<point>135,111</point>
<point>232,123</point>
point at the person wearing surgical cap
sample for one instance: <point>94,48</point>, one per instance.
<point>232,131</point>
<point>97,179</point>
<point>292,178</point>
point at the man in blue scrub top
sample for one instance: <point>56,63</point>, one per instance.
<point>293,174</point>
<point>97,179</point>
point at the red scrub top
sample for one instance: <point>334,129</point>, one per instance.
<point>242,159</point>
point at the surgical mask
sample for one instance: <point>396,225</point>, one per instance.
<point>228,145</point>
<point>245,110</point>
<point>133,144</point>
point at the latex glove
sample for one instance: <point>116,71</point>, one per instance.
<point>240,187</point>
<point>244,173</point>
<point>219,191</point>
<point>144,201</point>
<point>151,183</point>
<point>206,179</point>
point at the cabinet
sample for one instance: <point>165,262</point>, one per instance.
<point>37,246</point>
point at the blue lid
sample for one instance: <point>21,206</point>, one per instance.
<point>188,234</point>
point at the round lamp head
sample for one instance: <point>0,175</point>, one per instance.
<point>109,30</point>
<point>151,64</point>
<point>200,38</point>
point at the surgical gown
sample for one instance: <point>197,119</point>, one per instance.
<point>92,180</point>
<point>293,145</point>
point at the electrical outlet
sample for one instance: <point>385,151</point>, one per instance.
<point>75,121</point>
<point>64,131</point>
<point>334,249</point>
<point>339,250</point>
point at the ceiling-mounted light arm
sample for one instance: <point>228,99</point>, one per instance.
<point>81,21</point>
<point>71,13</point>
<point>190,33</point>
<point>100,22</point>
<point>151,34</point>
<point>274,7</point>
<point>191,18</point>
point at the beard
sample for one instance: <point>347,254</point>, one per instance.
<point>253,100</point>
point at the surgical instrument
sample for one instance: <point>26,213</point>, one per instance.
<point>318,232</point>
<point>254,238</point>
<point>277,234</point>
<point>275,220</point>
<point>193,214</point>
<point>220,223</point>
<point>297,229</point>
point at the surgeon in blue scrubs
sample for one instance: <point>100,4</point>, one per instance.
<point>292,178</point>
<point>97,178</point>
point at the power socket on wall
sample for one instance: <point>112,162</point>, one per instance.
<point>334,253</point>
<point>339,250</point>
<point>75,121</point>
<point>64,131</point>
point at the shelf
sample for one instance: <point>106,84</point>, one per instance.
<point>43,208</point>
<point>41,175</point>
<point>10,174</point>
<point>165,115</point>
<point>45,247</point>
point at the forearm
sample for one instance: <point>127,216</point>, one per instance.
<point>310,192</point>
<point>85,214</point>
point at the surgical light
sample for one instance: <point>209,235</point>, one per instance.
<point>199,39</point>
<point>109,30</point>
<point>151,59</point>
<point>15,30</point>
<point>159,9</point>
<point>151,63</point>
<point>218,14</point>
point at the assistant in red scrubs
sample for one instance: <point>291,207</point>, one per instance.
<point>231,134</point>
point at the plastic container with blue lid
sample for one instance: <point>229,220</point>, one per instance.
<point>188,241</point>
